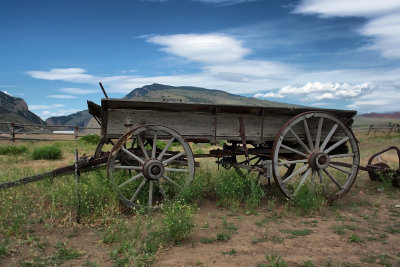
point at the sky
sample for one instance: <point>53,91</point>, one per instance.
<point>342,54</point>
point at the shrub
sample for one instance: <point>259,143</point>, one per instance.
<point>177,221</point>
<point>12,150</point>
<point>230,189</point>
<point>92,139</point>
<point>47,152</point>
<point>307,200</point>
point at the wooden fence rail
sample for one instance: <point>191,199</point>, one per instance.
<point>13,131</point>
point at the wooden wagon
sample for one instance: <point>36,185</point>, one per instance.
<point>151,155</point>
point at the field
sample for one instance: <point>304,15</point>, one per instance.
<point>221,220</point>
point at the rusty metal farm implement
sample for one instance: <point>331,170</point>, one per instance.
<point>151,158</point>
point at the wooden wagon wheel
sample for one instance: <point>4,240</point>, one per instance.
<point>326,149</point>
<point>147,174</point>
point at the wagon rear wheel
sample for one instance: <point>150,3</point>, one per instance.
<point>325,152</point>
<point>150,164</point>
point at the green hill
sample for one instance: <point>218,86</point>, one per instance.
<point>189,94</point>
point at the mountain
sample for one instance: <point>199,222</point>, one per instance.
<point>393,115</point>
<point>80,118</point>
<point>14,109</point>
<point>189,94</point>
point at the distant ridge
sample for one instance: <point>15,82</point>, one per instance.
<point>190,94</point>
<point>80,118</point>
<point>15,109</point>
<point>392,115</point>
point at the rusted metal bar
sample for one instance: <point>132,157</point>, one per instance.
<point>83,165</point>
<point>104,91</point>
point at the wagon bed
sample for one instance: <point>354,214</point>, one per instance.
<point>201,122</point>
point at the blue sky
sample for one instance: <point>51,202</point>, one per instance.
<point>331,54</point>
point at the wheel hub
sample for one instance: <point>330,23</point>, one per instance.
<point>319,160</point>
<point>153,169</point>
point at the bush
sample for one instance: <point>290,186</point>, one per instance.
<point>177,222</point>
<point>308,200</point>
<point>92,139</point>
<point>12,150</point>
<point>47,152</point>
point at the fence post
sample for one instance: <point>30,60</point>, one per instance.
<point>12,139</point>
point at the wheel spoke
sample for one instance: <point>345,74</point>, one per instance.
<point>333,179</point>
<point>294,150</point>
<point>166,162</point>
<point>140,142</point>
<point>322,183</point>
<point>171,181</point>
<point>154,148</point>
<point>132,155</point>
<point>138,190</point>
<point>300,141</point>
<point>138,168</point>
<point>305,175</point>
<point>131,180</point>
<point>292,162</point>
<point>175,170</point>
<point>341,156</point>
<point>162,190</point>
<point>314,172</point>
<point>290,177</point>
<point>329,136</point>
<point>151,193</point>
<point>166,148</point>
<point>339,169</point>
<point>335,145</point>
<point>309,139</point>
<point>319,132</point>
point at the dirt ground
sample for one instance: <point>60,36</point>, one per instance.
<point>362,229</point>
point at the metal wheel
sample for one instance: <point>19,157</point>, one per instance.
<point>325,149</point>
<point>150,164</point>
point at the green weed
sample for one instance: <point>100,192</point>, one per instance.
<point>355,238</point>
<point>47,152</point>
<point>92,139</point>
<point>308,263</point>
<point>3,248</point>
<point>207,240</point>
<point>177,221</point>
<point>307,200</point>
<point>13,150</point>
<point>273,261</point>
<point>232,252</point>
<point>223,236</point>
<point>297,233</point>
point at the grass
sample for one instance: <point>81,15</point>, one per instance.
<point>47,152</point>
<point>307,200</point>
<point>274,260</point>
<point>135,237</point>
<point>92,139</point>
<point>13,150</point>
<point>355,238</point>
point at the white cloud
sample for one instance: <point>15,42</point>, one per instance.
<point>203,48</point>
<point>7,93</point>
<point>62,96</point>
<point>39,107</point>
<point>67,74</point>
<point>60,112</point>
<point>321,91</point>
<point>383,19</point>
<point>225,2</point>
<point>78,91</point>
<point>348,8</point>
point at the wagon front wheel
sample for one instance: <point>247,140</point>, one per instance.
<point>149,165</point>
<point>324,150</point>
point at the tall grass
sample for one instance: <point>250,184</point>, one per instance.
<point>47,152</point>
<point>12,150</point>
